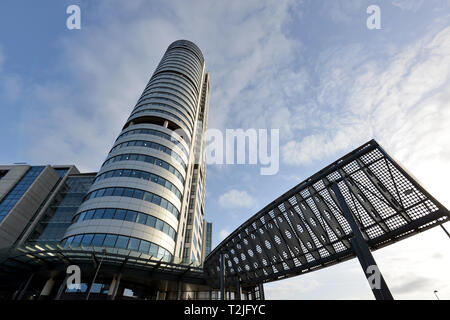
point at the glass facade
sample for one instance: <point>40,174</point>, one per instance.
<point>58,216</point>
<point>10,200</point>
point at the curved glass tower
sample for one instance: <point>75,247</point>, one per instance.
<point>148,194</point>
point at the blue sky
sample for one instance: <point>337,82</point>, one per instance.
<point>309,68</point>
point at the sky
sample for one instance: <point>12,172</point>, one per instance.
<point>311,68</point>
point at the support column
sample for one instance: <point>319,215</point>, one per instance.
<point>25,287</point>
<point>222,276</point>
<point>179,285</point>
<point>114,286</point>
<point>361,249</point>
<point>238,289</point>
<point>62,287</point>
<point>261,292</point>
<point>46,290</point>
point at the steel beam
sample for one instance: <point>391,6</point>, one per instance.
<point>361,249</point>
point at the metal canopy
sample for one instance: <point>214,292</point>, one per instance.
<point>29,258</point>
<point>305,229</point>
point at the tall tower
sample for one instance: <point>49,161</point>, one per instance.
<point>148,196</point>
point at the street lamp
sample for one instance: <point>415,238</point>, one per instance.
<point>435,293</point>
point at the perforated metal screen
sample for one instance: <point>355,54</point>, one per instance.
<point>304,229</point>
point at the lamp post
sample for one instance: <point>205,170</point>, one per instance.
<point>435,293</point>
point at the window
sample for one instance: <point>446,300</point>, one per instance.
<point>110,240</point>
<point>118,192</point>
<point>138,194</point>
<point>108,192</point>
<point>159,225</point>
<point>87,239</point>
<point>89,215</point>
<point>98,239</point>
<point>120,214</point>
<point>151,221</point>
<point>98,213</point>
<point>142,218</point>
<point>76,240</point>
<point>109,214</point>
<point>144,246</point>
<point>131,216</point>
<point>134,244</point>
<point>122,242</point>
<point>128,192</point>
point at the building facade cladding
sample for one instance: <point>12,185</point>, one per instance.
<point>142,190</point>
<point>24,191</point>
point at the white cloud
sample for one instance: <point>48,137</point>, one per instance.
<point>110,63</point>
<point>402,102</point>
<point>408,5</point>
<point>223,234</point>
<point>236,199</point>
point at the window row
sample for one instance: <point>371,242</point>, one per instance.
<point>168,91</point>
<point>158,134</point>
<point>116,241</point>
<point>171,88</point>
<point>188,126</point>
<point>134,193</point>
<point>195,76</point>
<point>126,215</point>
<point>180,71</point>
<point>185,58</point>
<point>174,84</point>
<point>151,145</point>
<point>189,59</point>
<point>138,174</point>
<point>168,98</point>
<point>148,159</point>
<point>166,106</point>
<point>177,78</point>
<point>172,97</point>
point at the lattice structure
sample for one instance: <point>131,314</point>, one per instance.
<point>304,229</point>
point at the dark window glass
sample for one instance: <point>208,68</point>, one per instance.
<point>108,192</point>
<point>89,215</point>
<point>98,239</point>
<point>118,192</point>
<point>117,173</point>
<point>131,216</point>
<point>126,173</point>
<point>128,192</point>
<point>120,214</point>
<point>144,246</point>
<point>98,214</point>
<point>122,242</point>
<point>142,218</point>
<point>156,199</point>
<point>109,213</point>
<point>151,221</point>
<point>87,239</point>
<point>138,194</point>
<point>159,225</point>
<point>76,240</point>
<point>100,193</point>
<point>110,240</point>
<point>134,244</point>
<point>81,216</point>
<point>148,196</point>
